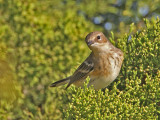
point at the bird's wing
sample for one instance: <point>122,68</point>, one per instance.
<point>83,70</point>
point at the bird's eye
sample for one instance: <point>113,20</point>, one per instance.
<point>98,37</point>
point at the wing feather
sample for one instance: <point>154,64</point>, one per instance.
<point>83,70</point>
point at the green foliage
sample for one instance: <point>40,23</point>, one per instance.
<point>46,47</point>
<point>119,13</point>
<point>9,87</point>
<point>136,95</point>
<point>40,43</point>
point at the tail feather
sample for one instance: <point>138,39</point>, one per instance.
<point>60,82</point>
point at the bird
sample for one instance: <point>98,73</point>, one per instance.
<point>102,65</point>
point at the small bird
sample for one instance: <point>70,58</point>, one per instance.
<point>102,65</point>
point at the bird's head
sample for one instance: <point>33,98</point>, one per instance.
<point>97,40</point>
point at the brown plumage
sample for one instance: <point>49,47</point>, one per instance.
<point>102,65</point>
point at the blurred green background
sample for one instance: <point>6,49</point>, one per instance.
<point>42,41</point>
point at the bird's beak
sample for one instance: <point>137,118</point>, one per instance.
<point>89,43</point>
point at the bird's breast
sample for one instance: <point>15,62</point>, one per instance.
<point>106,69</point>
<point>102,66</point>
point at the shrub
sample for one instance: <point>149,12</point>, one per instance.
<point>46,44</point>
<point>43,41</point>
<point>136,92</point>
<point>9,87</point>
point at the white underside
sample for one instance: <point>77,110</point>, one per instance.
<point>103,81</point>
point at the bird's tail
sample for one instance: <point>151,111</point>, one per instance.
<point>60,82</point>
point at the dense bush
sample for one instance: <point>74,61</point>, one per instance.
<point>46,47</point>
<point>136,94</point>
<point>42,41</point>
<point>117,15</point>
<point>9,87</point>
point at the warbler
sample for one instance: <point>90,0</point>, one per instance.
<point>102,65</point>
